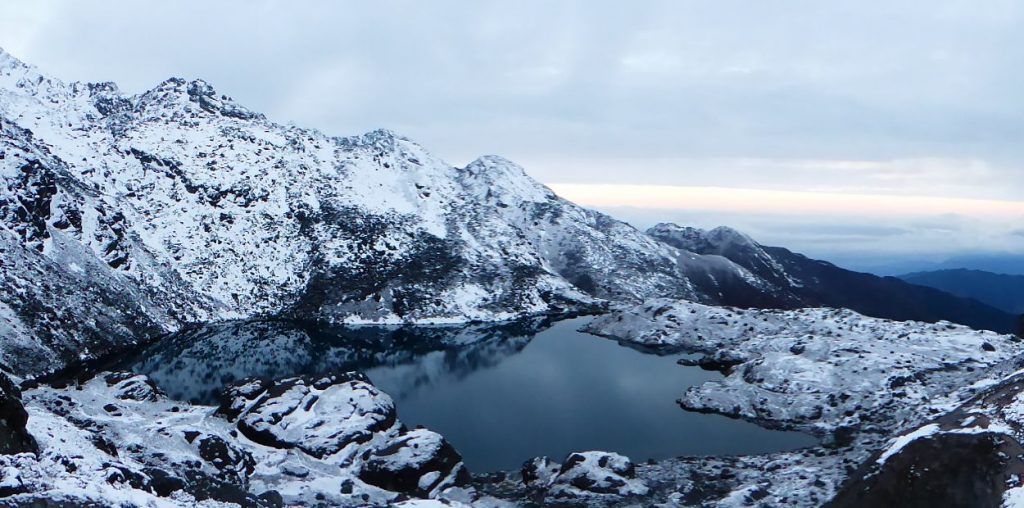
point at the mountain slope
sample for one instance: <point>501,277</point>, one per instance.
<point>819,283</point>
<point>1001,291</point>
<point>196,209</point>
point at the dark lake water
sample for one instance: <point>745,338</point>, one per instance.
<point>500,393</point>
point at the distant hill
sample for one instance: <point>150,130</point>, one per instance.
<point>818,283</point>
<point>1010,264</point>
<point>1002,291</point>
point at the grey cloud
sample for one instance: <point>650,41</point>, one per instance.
<point>851,240</point>
<point>732,93</point>
<point>803,79</point>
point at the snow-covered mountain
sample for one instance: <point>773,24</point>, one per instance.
<point>125,216</point>
<point>804,282</point>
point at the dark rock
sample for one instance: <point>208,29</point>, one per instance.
<point>234,398</point>
<point>539,471</point>
<point>949,470</point>
<point>404,464</point>
<point>204,487</point>
<point>162,482</point>
<point>14,438</point>
<point>233,463</point>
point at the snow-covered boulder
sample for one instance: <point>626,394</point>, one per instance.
<point>539,471</point>
<point>592,477</point>
<point>128,386</point>
<point>586,474</point>
<point>322,418</point>
<point>344,419</point>
<point>418,462</point>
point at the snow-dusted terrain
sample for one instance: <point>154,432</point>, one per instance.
<point>179,205</point>
<point>334,441</point>
<point>818,370</point>
<point>971,456</point>
<point>858,382</point>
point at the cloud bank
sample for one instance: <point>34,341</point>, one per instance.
<point>871,97</point>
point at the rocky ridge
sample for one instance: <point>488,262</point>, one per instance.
<point>178,205</point>
<point>805,282</point>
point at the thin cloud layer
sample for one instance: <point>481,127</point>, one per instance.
<point>895,98</point>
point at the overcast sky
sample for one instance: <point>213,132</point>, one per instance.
<point>866,98</point>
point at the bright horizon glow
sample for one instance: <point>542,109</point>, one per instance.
<point>782,202</point>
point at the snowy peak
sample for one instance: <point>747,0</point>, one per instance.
<point>16,74</point>
<point>192,97</point>
<point>10,63</point>
<point>499,178</point>
<point>682,237</point>
<point>724,236</point>
<point>715,241</point>
<point>384,141</point>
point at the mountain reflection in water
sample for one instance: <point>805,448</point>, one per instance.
<point>501,393</point>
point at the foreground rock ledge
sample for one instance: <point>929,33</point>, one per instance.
<point>332,441</point>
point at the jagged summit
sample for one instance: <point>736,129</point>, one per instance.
<point>9,60</point>
<point>495,160</point>
<point>381,138</point>
<point>500,178</point>
<point>192,96</point>
<point>701,240</point>
<point>14,72</point>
